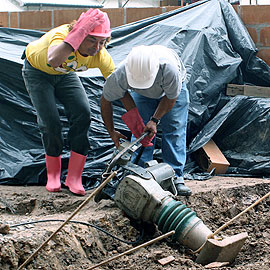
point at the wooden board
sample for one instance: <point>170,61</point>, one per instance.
<point>248,90</point>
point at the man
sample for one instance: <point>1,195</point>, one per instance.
<point>49,74</point>
<point>155,77</point>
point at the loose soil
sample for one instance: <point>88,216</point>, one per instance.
<point>82,245</point>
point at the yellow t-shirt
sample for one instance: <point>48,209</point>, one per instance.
<point>37,55</point>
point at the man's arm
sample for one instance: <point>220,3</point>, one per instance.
<point>163,107</point>
<point>107,116</point>
<point>128,102</point>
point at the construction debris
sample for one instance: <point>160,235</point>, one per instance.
<point>75,246</point>
<point>166,260</point>
<point>216,265</point>
<point>4,228</point>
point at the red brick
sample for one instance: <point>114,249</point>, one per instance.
<point>135,14</point>
<point>116,16</point>
<point>4,19</point>
<point>166,260</point>
<point>9,19</point>
<point>170,8</point>
<point>14,23</point>
<point>265,36</point>
<point>253,33</point>
<point>264,54</point>
<point>66,16</point>
<point>255,14</point>
<point>39,20</point>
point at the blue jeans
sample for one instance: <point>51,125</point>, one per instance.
<point>44,90</point>
<point>173,125</point>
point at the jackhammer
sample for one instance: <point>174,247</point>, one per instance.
<point>146,194</point>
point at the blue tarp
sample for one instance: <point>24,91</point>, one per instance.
<point>216,50</point>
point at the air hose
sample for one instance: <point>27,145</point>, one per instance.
<point>83,223</point>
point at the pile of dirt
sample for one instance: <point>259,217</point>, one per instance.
<point>91,240</point>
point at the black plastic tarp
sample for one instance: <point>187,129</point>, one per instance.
<point>216,49</point>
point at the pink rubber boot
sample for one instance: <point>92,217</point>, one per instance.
<point>53,165</point>
<point>74,176</point>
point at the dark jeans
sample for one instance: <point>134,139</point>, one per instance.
<point>43,90</point>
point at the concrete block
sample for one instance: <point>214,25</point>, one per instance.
<point>224,250</point>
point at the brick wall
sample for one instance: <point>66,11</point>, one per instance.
<point>255,18</point>
<point>257,21</point>
<point>45,20</point>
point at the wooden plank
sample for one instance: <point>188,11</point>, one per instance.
<point>248,90</point>
<point>235,89</point>
<point>256,91</point>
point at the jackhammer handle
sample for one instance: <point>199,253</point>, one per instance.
<point>143,135</point>
<point>114,160</point>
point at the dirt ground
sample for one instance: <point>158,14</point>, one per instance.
<point>82,245</point>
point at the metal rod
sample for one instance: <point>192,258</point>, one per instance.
<point>68,219</point>
<point>134,249</point>
<point>237,216</point>
<point>231,220</point>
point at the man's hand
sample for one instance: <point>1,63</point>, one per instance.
<point>107,116</point>
<point>116,136</point>
<point>152,128</point>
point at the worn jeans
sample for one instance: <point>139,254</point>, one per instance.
<point>44,90</point>
<point>173,126</point>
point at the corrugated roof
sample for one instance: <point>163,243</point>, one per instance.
<point>64,3</point>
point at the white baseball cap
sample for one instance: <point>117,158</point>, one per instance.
<point>142,65</point>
